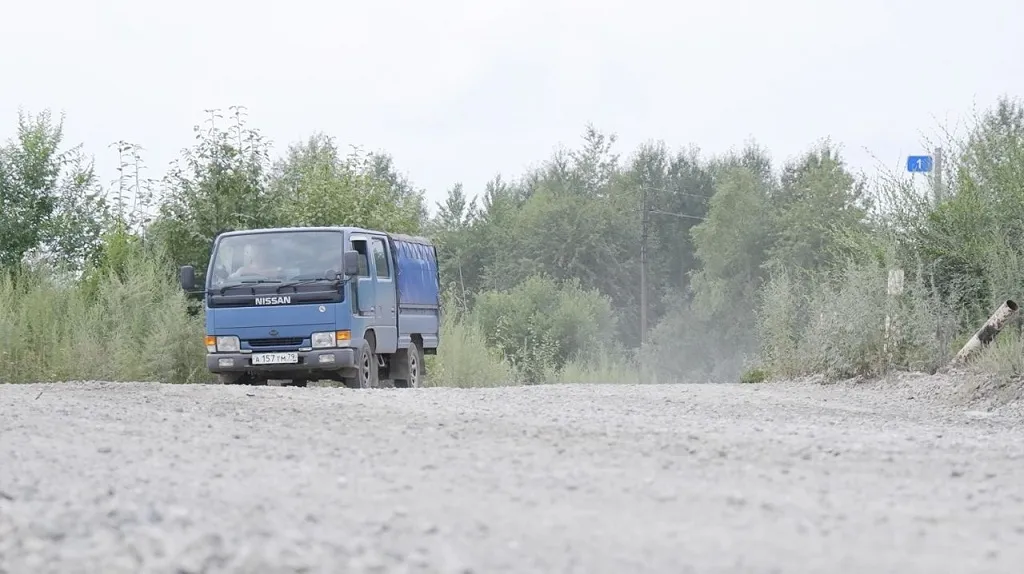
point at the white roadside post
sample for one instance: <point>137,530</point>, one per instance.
<point>892,326</point>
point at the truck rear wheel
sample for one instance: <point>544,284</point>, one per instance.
<point>410,372</point>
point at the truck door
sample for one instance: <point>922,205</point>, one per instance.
<point>386,313</point>
<point>364,291</point>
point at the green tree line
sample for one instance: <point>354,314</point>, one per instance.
<point>755,268</point>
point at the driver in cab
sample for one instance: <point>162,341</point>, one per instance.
<point>256,264</point>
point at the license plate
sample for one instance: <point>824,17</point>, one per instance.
<point>275,358</point>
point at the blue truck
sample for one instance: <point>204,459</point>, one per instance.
<point>302,304</point>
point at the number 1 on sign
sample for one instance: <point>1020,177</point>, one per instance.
<point>919,164</point>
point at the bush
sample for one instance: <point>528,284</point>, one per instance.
<point>111,328</point>
<point>755,375</point>
<point>837,325</point>
<point>541,325</point>
<point>781,319</point>
<point>961,258</point>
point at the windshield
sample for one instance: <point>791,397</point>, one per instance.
<point>277,257</point>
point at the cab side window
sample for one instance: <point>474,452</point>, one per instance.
<point>380,259</point>
<point>364,261</point>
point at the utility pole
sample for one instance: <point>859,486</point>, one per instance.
<point>643,264</point>
<point>645,213</point>
<point>930,164</point>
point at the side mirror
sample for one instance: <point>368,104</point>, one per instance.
<point>187,277</point>
<point>351,263</point>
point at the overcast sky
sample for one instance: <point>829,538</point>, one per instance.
<point>459,91</point>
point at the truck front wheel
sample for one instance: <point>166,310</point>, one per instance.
<point>239,379</point>
<point>367,370</point>
<point>228,378</point>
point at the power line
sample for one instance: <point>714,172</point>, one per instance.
<point>680,215</point>
<point>683,215</point>
<point>676,192</point>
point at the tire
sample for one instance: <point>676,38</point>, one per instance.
<point>367,371</point>
<point>240,379</point>
<point>228,378</point>
<point>412,370</point>
<point>298,383</point>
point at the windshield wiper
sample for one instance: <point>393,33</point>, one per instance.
<point>246,282</point>
<point>299,282</point>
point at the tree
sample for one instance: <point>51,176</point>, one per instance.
<point>218,184</point>
<point>314,185</point>
<point>816,205</point>
<point>678,189</point>
<point>732,243</point>
<point>50,203</point>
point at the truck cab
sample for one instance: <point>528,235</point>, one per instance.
<point>303,304</point>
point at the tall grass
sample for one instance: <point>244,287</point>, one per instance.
<point>849,325</point>
<point>463,360</point>
<point>134,327</point>
<point>607,368</point>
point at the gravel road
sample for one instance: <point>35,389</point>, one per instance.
<point>109,477</point>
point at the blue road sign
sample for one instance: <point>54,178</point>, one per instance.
<point>919,163</point>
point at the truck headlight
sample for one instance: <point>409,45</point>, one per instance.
<point>324,340</point>
<point>228,344</point>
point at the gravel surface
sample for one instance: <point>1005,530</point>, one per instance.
<point>109,477</point>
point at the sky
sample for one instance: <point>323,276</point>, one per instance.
<point>460,91</point>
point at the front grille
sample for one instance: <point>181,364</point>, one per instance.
<point>280,342</point>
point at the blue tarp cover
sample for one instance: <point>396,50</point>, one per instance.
<point>416,263</point>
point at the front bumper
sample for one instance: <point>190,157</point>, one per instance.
<point>309,362</point>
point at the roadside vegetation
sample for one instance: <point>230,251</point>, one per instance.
<point>759,268</point>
